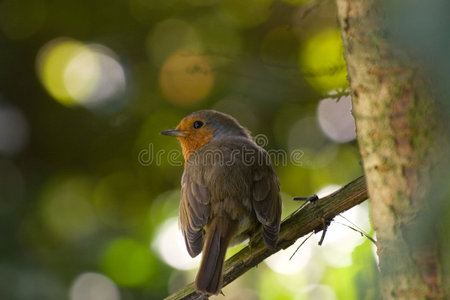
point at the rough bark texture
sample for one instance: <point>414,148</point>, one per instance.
<point>394,113</point>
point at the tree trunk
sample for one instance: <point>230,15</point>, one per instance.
<point>397,134</point>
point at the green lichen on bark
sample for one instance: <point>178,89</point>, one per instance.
<point>394,111</point>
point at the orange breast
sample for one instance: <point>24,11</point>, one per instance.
<point>195,140</point>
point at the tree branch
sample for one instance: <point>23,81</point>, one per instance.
<point>310,219</point>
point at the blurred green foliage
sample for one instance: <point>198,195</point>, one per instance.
<point>86,180</point>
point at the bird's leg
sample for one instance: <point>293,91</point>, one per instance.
<point>252,241</point>
<point>251,244</point>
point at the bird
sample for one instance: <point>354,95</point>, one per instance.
<point>229,192</point>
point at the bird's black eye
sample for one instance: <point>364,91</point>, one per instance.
<point>198,124</point>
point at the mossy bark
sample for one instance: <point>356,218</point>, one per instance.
<point>394,112</point>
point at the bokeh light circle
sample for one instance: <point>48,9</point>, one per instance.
<point>66,207</point>
<point>170,245</point>
<point>14,130</point>
<point>186,77</point>
<point>169,35</point>
<point>320,291</point>
<point>81,73</point>
<point>111,84</point>
<point>327,190</point>
<point>93,286</point>
<point>340,241</point>
<point>281,262</point>
<point>247,13</point>
<point>75,73</point>
<point>336,120</point>
<point>322,61</point>
<point>128,262</point>
<point>51,63</point>
<point>305,133</point>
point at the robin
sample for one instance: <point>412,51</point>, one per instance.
<point>229,190</point>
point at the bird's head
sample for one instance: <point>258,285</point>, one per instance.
<point>201,127</point>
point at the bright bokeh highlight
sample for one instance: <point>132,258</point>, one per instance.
<point>81,73</point>
<point>78,74</point>
<point>164,207</point>
<point>282,262</point>
<point>340,241</point>
<point>287,286</point>
<point>171,247</point>
<point>93,286</point>
<point>327,190</point>
<point>319,291</point>
<point>336,119</point>
<point>52,62</point>
<point>322,61</point>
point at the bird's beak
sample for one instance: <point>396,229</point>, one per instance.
<point>173,132</point>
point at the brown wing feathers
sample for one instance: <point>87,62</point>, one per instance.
<point>194,214</point>
<point>210,214</point>
<point>267,204</point>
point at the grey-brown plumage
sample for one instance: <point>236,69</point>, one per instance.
<point>229,190</point>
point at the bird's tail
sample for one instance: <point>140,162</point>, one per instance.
<point>218,235</point>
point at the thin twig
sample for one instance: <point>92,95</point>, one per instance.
<point>307,238</point>
<point>356,228</point>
